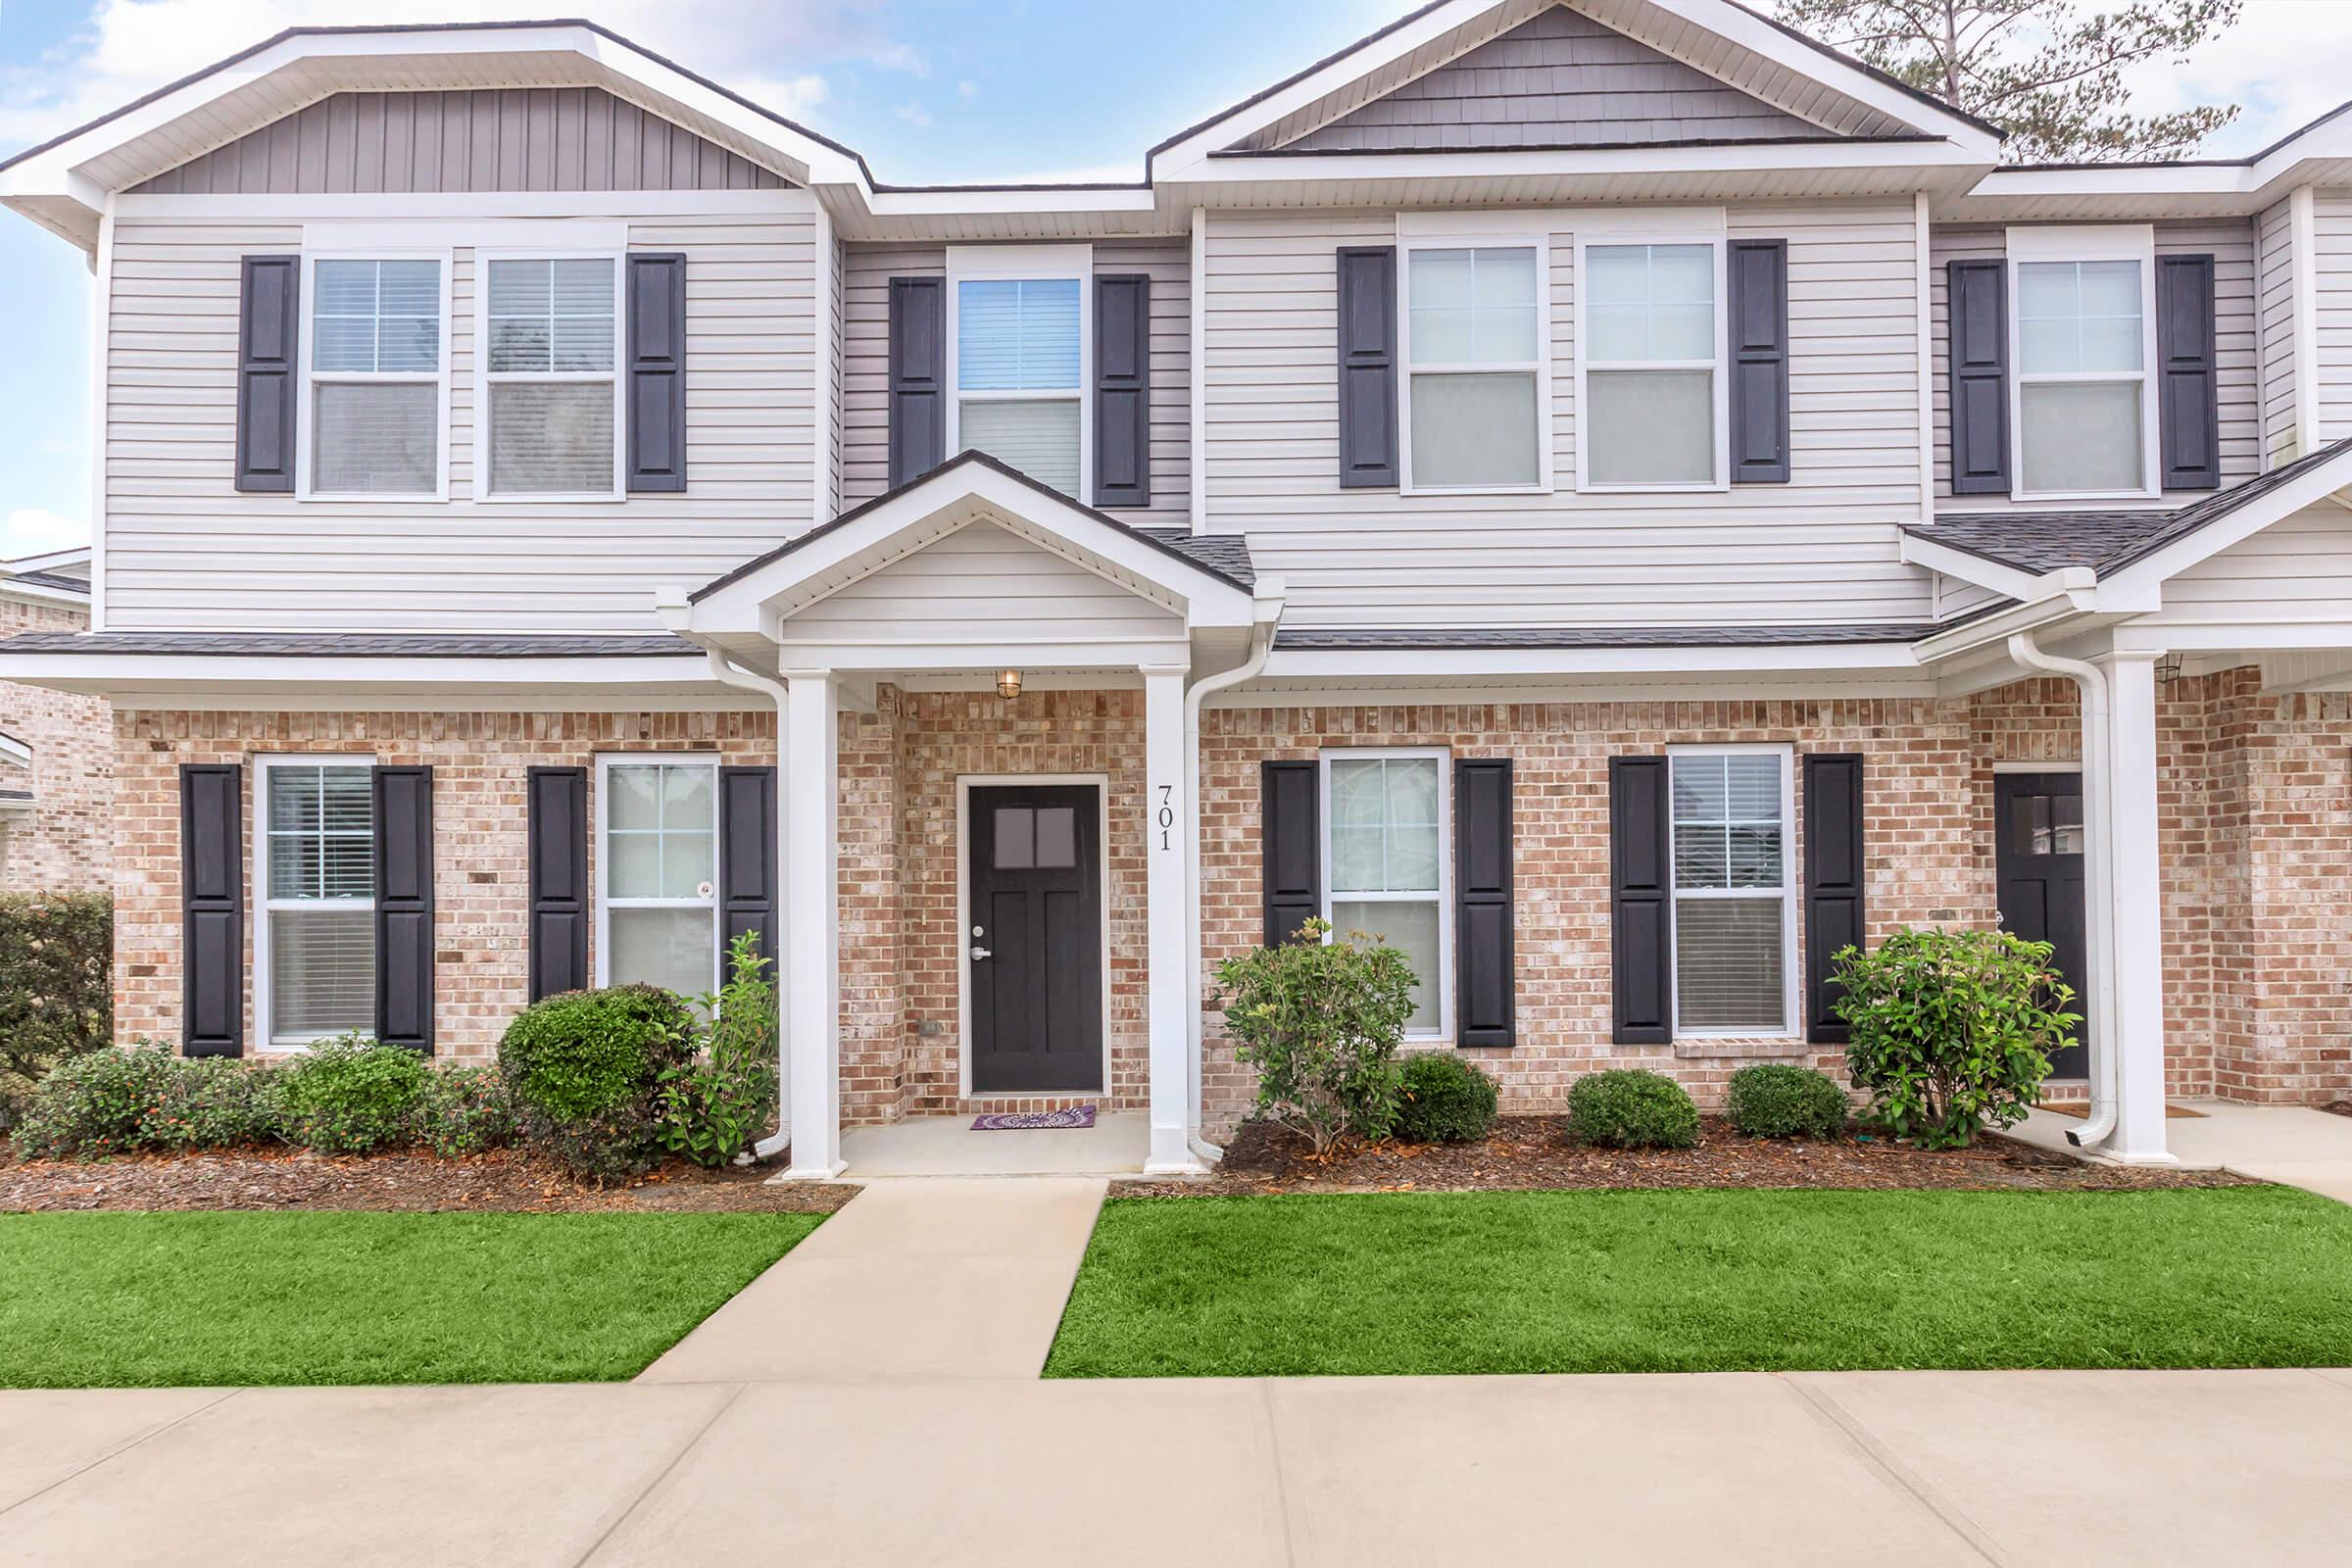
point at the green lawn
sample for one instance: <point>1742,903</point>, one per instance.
<point>1693,1281</point>
<point>100,1301</point>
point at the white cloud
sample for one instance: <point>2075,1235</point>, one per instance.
<point>31,531</point>
<point>2284,63</point>
<point>914,113</point>
<point>967,89</point>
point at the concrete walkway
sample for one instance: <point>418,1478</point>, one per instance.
<point>2293,1145</point>
<point>2079,1469</point>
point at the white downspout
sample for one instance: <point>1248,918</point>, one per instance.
<point>1266,602</point>
<point>2099,850</point>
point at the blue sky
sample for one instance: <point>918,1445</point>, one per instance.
<point>927,90</point>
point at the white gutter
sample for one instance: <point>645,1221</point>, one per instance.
<point>2099,852</point>
<point>1266,602</point>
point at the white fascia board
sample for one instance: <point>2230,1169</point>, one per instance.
<point>2232,636</point>
<point>965,657</point>
<point>1761,158</point>
<point>2123,587</point>
<point>105,673</point>
<point>1459,663</point>
<point>1078,200</point>
<point>36,594</point>
<point>1996,629</point>
<point>2014,583</point>
<point>474,209</point>
<point>50,561</point>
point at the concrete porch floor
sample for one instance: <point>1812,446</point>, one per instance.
<point>1116,1145</point>
<point>2292,1145</point>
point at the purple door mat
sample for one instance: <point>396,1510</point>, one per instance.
<point>1021,1120</point>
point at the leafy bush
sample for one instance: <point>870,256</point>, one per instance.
<point>464,1110</point>
<point>1446,1101</point>
<point>715,1107</point>
<point>350,1096</point>
<point>585,1070</point>
<point>215,1102</point>
<point>1630,1108</point>
<point>1781,1099</point>
<point>1321,1021</point>
<point>57,953</point>
<point>96,1105</point>
<point>1951,1030</point>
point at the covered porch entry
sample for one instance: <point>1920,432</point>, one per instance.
<point>985,693</point>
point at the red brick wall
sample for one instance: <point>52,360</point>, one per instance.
<point>63,843</point>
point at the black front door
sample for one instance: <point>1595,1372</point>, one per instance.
<point>1035,939</point>
<point>2039,823</point>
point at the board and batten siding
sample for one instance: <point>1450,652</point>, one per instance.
<point>183,549</point>
<point>2331,287</point>
<point>866,271</point>
<point>2230,244</point>
<point>2275,306</point>
<point>1819,549</point>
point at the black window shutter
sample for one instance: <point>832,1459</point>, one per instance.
<point>269,338</point>
<point>747,858</point>
<point>1292,840</point>
<point>404,907</point>
<point>1481,901</point>
<point>2188,409</point>
<point>657,425</point>
<point>919,377</point>
<point>211,906</point>
<point>557,834</point>
<point>1123,390</point>
<point>1640,898</point>
<point>1368,458</point>
<point>1834,877</point>
<point>1976,310</point>
<point>1759,323</point>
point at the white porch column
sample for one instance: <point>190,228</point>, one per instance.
<point>2136,918</point>
<point>1166,812</point>
<point>811,748</point>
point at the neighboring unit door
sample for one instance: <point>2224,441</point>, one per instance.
<point>1034,939</point>
<point>2038,824</point>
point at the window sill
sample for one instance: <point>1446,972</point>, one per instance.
<point>1710,1048</point>
<point>1677,489</point>
<point>1450,490</point>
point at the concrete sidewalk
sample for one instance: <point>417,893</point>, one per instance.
<point>2294,1145</point>
<point>2079,1469</point>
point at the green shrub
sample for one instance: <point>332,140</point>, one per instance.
<point>1951,1030</point>
<point>1446,1101</point>
<point>1630,1108</point>
<point>585,1070</point>
<point>464,1110</point>
<point>350,1096</point>
<point>215,1102</point>
<point>1781,1099</point>
<point>715,1107</point>
<point>1321,1021</point>
<point>55,982</point>
<point>97,1104</point>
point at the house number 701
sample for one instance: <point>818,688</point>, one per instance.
<point>1167,814</point>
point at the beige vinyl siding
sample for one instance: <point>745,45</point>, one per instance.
<point>2230,244</point>
<point>1956,597</point>
<point>2298,568</point>
<point>184,549</point>
<point>2274,304</point>
<point>1821,548</point>
<point>2331,278</point>
<point>865,388</point>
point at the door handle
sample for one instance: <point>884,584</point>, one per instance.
<point>979,952</point>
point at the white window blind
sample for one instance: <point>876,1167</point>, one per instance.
<point>1019,370</point>
<point>1648,414</point>
<point>317,857</point>
<point>659,868</point>
<point>1386,837</point>
<point>553,375</point>
<point>2083,380</point>
<point>1474,336</point>
<point>1732,893</point>
<point>376,378</point>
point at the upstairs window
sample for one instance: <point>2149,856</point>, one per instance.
<point>315,936</point>
<point>2083,400</point>
<point>551,392</point>
<point>376,397</point>
<point>1019,374</point>
<point>1649,412</point>
<point>1474,387</point>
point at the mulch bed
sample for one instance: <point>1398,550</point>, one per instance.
<point>2340,1108</point>
<point>503,1182</point>
<point>1534,1151</point>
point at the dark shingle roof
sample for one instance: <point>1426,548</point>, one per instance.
<point>50,579</point>
<point>1447,638</point>
<point>348,645</point>
<point>2104,541</point>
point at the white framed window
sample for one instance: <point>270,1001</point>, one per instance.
<point>657,872</point>
<point>1651,391</point>
<point>2082,337</point>
<point>548,400</point>
<point>373,422</point>
<point>1019,359</point>
<point>1477,385</point>
<point>314,869</point>
<point>1387,828</point>
<point>1734,891</point>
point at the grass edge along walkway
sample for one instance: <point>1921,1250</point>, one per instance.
<point>1709,1280</point>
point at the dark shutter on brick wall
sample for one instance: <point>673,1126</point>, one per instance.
<point>404,907</point>
<point>1123,390</point>
<point>747,858</point>
<point>557,834</point>
<point>1292,840</point>
<point>1834,877</point>
<point>1640,901</point>
<point>1759,393</point>
<point>2189,405</point>
<point>269,340</point>
<point>1977,295</point>
<point>211,906</point>
<point>919,377</point>
<point>1368,458</point>
<point>657,386</point>
<point>1481,901</point>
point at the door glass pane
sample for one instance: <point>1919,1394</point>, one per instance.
<point>1727,964</point>
<point>1650,426</point>
<point>2080,436</point>
<point>1016,838</point>
<point>1057,838</point>
<point>676,948</point>
<point>1412,930</point>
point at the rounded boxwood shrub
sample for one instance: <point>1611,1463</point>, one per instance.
<point>1627,1108</point>
<point>1446,1101</point>
<point>465,1110</point>
<point>1781,1099</point>
<point>97,1104</point>
<point>350,1096</point>
<point>583,1069</point>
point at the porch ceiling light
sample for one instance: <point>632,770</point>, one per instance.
<point>1008,684</point>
